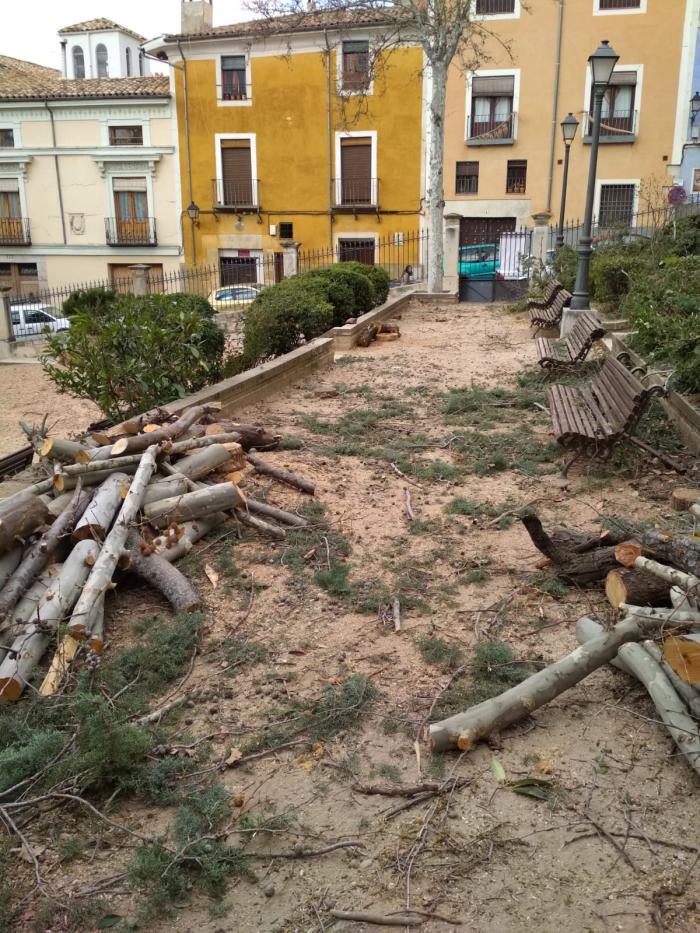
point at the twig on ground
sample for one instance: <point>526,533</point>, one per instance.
<point>403,476</point>
<point>410,515</point>
<point>388,920</point>
<point>309,853</point>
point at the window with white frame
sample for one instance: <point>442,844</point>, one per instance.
<point>102,59</point>
<point>78,63</point>
<point>355,65</point>
<point>616,204</point>
<point>126,135</point>
<point>7,138</point>
<point>618,110</point>
<point>492,100</point>
<point>233,77</point>
<point>236,185</point>
<point>356,163</point>
<point>604,5</point>
<point>494,7</point>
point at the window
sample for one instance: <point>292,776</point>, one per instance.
<point>286,231</point>
<point>142,64</point>
<point>233,71</point>
<point>131,220</point>
<point>7,139</point>
<point>356,66</point>
<point>78,63</point>
<point>10,204</point>
<point>126,136</point>
<point>356,251</point>
<point>467,180</point>
<point>619,4</point>
<point>492,107</point>
<point>616,205</point>
<point>356,170</point>
<point>128,63</point>
<point>237,269</point>
<point>617,114</point>
<point>236,184</point>
<point>696,181</point>
<point>102,61</point>
<point>494,7</point>
<point>516,176</point>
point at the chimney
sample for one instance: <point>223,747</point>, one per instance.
<point>196,16</point>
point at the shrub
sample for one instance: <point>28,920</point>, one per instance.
<point>564,266</point>
<point>93,300</point>
<point>281,316</point>
<point>349,292</point>
<point>377,275</point>
<point>137,352</point>
<point>612,271</point>
<point>681,238</point>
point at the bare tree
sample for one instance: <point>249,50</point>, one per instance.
<point>446,30</point>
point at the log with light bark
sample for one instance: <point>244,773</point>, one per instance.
<point>661,615</point>
<point>578,559</point>
<point>252,436</point>
<point>26,609</point>
<point>139,442</point>
<point>491,716</point>
<point>165,489</point>
<point>178,540</point>
<point>163,576</point>
<point>28,648</point>
<point>62,483</point>
<point>9,563</point>
<point>629,556</point>
<point>19,520</point>
<point>60,448</point>
<point>203,461</point>
<point>98,516</point>
<point>39,555</point>
<point>634,660</point>
<point>195,443</point>
<point>681,550</point>
<point>280,515</point>
<point>636,587</point>
<point>193,505</point>
<point>67,649</point>
<point>105,565</point>
<point>259,524</point>
<point>284,476</point>
<point>689,694</point>
<point>682,653</point>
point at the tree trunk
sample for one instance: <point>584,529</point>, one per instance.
<point>39,555</point>
<point>251,435</point>
<point>260,524</point>
<point>464,729</point>
<point>26,609</point>
<point>435,187</point>
<point>270,511</point>
<point>106,563</point>
<point>18,521</point>
<point>284,476</point>
<point>687,582</point>
<point>68,648</point>
<point>136,443</point>
<point>575,563</point>
<point>679,550</point>
<point>29,647</point>
<point>637,588</point>
<point>9,563</point>
<point>163,576</point>
<point>178,541</point>
<point>99,515</point>
<point>60,448</point>
<point>689,695</point>
<point>683,655</point>
<point>634,660</point>
<point>203,461</point>
<point>194,443</point>
<point>165,489</point>
<point>194,504</point>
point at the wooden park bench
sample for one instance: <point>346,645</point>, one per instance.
<point>553,286</point>
<point>550,315</point>
<point>599,415</point>
<point>561,354</point>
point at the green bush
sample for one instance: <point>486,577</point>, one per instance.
<point>681,238</point>
<point>349,292</point>
<point>93,300</point>
<point>564,266</point>
<point>612,271</point>
<point>377,275</point>
<point>137,352</point>
<point>281,316</point>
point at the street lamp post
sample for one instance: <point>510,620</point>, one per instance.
<point>694,111</point>
<point>602,63</point>
<point>569,125</point>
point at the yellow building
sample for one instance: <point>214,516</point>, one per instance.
<point>292,134</point>
<point>504,149</point>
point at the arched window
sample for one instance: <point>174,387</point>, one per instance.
<point>102,61</point>
<point>141,64</point>
<point>78,63</point>
<point>128,63</point>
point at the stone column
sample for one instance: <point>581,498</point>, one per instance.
<point>540,236</point>
<point>450,279</point>
<point>7,334</point>
<point>290,259</point>
<point>139,279</point>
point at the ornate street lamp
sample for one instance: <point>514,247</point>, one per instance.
<point>569,125</point>
<point>694,111</point>
<point>193,213</point>
<point>602,63</point>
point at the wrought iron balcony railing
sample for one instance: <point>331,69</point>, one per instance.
<point>354,193</point>
<point>14,231</point>
<point>131,232</point>
<point>236,195</point>
<point>494,131</point>
<point>620,126</point>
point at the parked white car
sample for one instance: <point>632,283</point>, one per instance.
<point>234,297</point>
<point>33,318</point>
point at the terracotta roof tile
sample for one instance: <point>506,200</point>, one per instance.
<point>293,22</point>
<point>99,25</point>
<point>20,80</point>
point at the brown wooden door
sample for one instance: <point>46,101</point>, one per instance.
<point>356,170</point>
<point>279,267</point>
<point>237,173</point>
<point>131,214</point>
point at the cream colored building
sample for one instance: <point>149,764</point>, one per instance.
<point>89,168</point>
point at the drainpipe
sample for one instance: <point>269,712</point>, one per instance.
<point>64,57</point>
<point>58,172</point>
<point>187,146</point>
<point>555,107</point>
<point>329,123</point>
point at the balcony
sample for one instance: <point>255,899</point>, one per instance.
<point>239,196</point>
<point>131,232</point>
<point>14,231</point>
<point>496,131</point>
<point>617,127</point>
<point>356,195</point>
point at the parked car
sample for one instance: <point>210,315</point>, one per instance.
<point>33,318</point>
<point>479,263</point>
<point>233,297</point>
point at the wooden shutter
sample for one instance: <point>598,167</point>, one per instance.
<point>497,86</point>
<point>237,172</point>
<point>356,169</point>
<point>623,78</point>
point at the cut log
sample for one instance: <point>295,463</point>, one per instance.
<point>99,515</point>
<point>627,553</point>
<point>165,489</point>
<point>18,521</point>
<point>136,443</point>
<point>164,577</point>
<point>60,665</point>
<point>28,648</point>
<point>252,436</point>
<point>106,563</point>
<point>26,609</point>
<point>284,476</point>
<point>574,557</point>
<point>683,656</point>
<point>682,551</point>
<point>193,505</point>
<point>636,587</point>
<point>9,563</point>
<point>60,448</point>
<point>178,541</point>
<point>686,582</point>
<point>680,599</point>
<point>634,660</point>
<point>204,461</point>
<point>683,497</point>
<point>96,626</point>
<point>103,466</point>
<point>39,555</point>
<point>280,515</point>
<point>464,729</point>
<point>689,695</point>
<point>194,443</point>
<point>252,521</point>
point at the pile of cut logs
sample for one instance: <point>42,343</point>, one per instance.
<point>134,499</point>
<point>654,583</point>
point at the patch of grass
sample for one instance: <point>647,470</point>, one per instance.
<point>477,405</point>
<point>550,583</point>
<point>472,577</point>
<point>487,454</point>
<point>292,442</point>
<point>438,651</point>
<point>421,526</point>
<point>349,359</point>
<point>389,772</point>
<point>492,670</point>
<point>241,652</point>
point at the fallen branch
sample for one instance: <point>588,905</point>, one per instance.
<point>280,515</point>
<point>156,570</point>
<point>388,920</point>
<point>136,443</point>
<point>309,853</point>
<point>284,476</point>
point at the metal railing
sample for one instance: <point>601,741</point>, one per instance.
<point>619,4</point>
<point>467,184</point>
<point>131,232</point>
<point>14,231</point>
<point>620,125</point>
<point>356,192</point>
<point>493,131</point>
<point>494,7</point>
<point>236,195</point>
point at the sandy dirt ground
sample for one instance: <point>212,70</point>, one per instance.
<point>614,847</point>
<point>27,394</point>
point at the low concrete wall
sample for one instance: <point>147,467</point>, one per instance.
<point>258,383</point>
<point>684,415</point>
<point>21,349</point>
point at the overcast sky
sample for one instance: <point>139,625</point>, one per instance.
<point>28,27</point>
